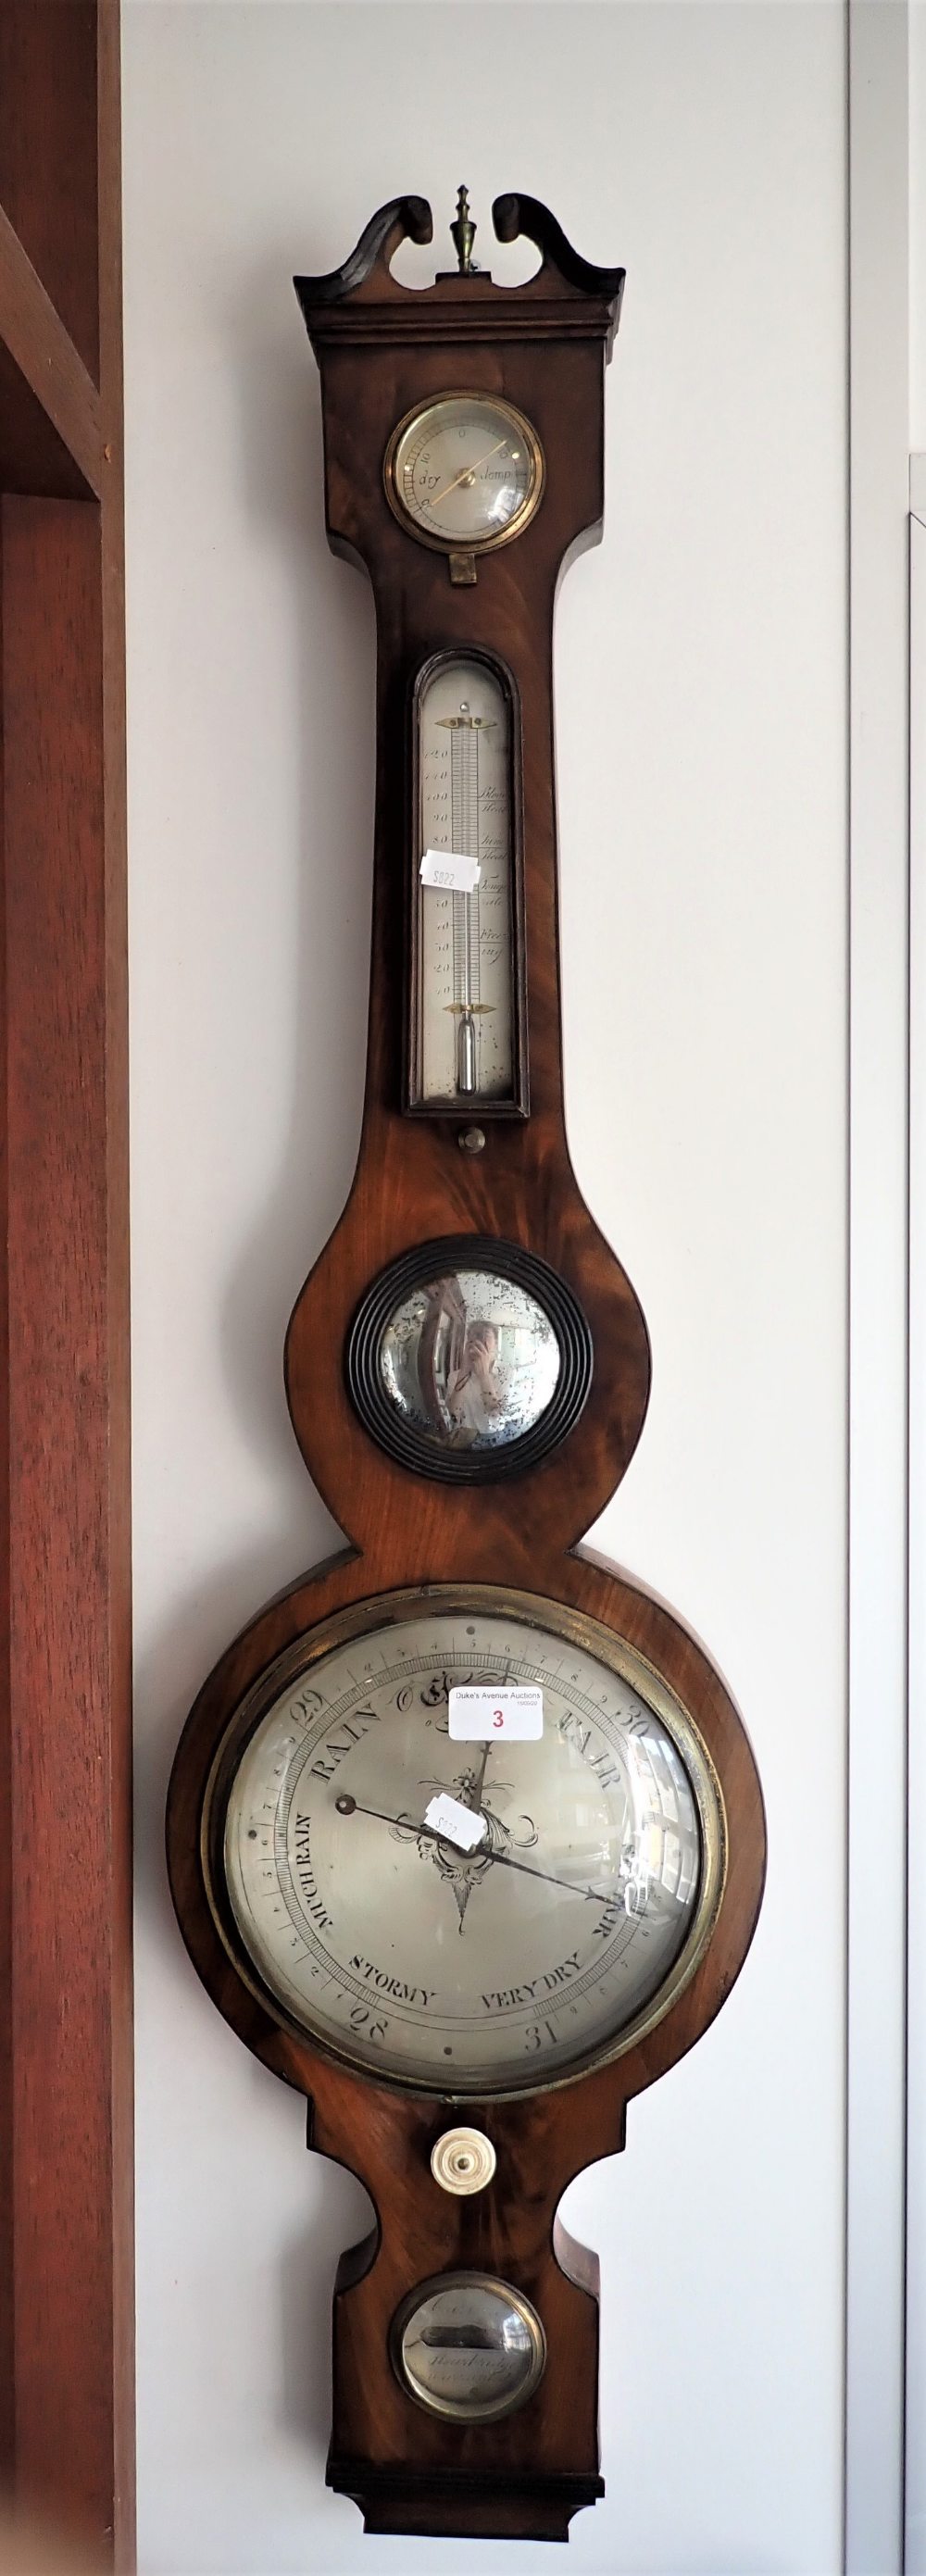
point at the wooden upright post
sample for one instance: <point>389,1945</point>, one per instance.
<point>66,2345</point>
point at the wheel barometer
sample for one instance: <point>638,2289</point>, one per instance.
<point>465,1834</point>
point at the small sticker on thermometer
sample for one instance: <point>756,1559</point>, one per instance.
<point>451,871</point>
<point>481,1714</point>
<point>455,1823</point>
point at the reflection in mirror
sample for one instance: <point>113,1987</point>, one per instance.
<point>470,1360</point>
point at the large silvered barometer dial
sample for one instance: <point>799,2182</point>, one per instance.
<point>431,1958</point>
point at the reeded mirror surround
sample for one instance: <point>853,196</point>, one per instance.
<point>470,1360</point>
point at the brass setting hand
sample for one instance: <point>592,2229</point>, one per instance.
<point>468,472</point>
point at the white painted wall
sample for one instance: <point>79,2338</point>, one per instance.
<point>916,2237</point>
<point>917,38</point>
<point>701,745</point>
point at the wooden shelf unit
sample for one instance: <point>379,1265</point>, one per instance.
<point>66,2264</point>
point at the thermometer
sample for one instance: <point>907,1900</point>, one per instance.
<point>463,1039</point>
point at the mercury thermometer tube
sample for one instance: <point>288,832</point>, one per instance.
<point>464,730</point>
<point>465,963</point>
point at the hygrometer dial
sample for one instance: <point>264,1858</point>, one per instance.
<point>464,473</point>
<point>572,1923</point>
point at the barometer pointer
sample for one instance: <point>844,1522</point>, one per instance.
<point>347,1806</point>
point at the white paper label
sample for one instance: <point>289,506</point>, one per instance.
<point>482,1713</point>
<point>450,871</point>
<point>457,1824</point>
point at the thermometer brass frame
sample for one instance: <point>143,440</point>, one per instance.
<point>480,1106</point>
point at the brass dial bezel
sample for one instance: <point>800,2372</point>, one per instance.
<point>536,1610</point>
<point>502,2290</point>
<point>527,509</point>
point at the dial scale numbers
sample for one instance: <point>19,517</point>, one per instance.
<point>500,1969</point>
<point>452,484</point>
<point>465,471</point>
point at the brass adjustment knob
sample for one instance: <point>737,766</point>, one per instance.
<point>463,2161</point>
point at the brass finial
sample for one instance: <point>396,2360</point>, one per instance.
<point>463,233</point>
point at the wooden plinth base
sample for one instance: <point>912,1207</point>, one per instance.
<point>438,2503</point>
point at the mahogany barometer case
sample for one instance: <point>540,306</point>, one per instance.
<point>465,1835</point>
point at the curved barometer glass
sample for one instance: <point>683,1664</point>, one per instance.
<point>503,1953</point>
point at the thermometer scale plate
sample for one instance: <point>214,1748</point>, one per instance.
<point>467,1051</point>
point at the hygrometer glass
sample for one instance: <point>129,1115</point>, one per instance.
<point>587,1894</point>
<point>466,472</point>
<point>464,1000</point>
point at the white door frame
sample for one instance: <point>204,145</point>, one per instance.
<point>916,2062</point>
<point>878,245</point>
